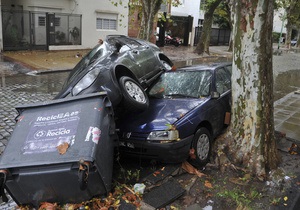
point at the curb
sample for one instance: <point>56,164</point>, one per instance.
<point>36,72</point>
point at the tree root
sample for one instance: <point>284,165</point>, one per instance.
<point>221,160</point>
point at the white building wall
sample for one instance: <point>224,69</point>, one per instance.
<point>278,23</point>
<point>61,6</point>
<point>188,7</point>
<point>89,9</point>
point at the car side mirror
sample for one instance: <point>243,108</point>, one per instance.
<point>215,95</point>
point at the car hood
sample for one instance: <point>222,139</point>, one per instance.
<point>160,113</point>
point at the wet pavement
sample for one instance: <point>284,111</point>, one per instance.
<point>287,115</point>
<point>18,88</point>
<point>45,81</point>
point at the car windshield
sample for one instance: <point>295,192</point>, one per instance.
<point>97,52</point>
<point>182,84</point>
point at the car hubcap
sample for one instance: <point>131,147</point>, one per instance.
<point>203,147</point>
<point>135,92</point>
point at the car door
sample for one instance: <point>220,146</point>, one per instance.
<point>223,87</point>
<point>144,60</point>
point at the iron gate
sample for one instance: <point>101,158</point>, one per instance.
<point>218,36</point>
<point>23,30</point>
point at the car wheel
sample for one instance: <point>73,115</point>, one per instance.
<point>166,65</point>
<point>134,97</point>
<point>202,147</point>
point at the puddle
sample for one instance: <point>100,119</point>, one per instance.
<point>42,83</point>
<point>201,61</point>
<point>284,83</point>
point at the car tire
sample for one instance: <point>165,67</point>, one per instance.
<point>202,147</point>
<point>166,65</point>
<point>134,97</point>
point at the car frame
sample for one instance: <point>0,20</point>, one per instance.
<point>175,129</point>
<point>121,66</point>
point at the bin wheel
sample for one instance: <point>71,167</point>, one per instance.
<point>82,178</point>
<point>83,173</point>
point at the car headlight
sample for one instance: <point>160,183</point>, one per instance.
<point>164,136</point>
<point>85,82</point>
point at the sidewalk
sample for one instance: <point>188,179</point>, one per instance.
<point>41,61</point>
<point>287,116</point>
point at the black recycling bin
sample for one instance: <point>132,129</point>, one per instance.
<point>60,151</point>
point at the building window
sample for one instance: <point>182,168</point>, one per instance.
<point>42,21</point>
<point>107,24</point>
<point>106,21</point>
<point>57,21</point>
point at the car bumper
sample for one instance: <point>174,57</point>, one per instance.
<point>174,152</point>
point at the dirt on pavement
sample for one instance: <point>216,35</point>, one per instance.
<point>67,59</point>
<point>46,60</point>
<point>235,189</point>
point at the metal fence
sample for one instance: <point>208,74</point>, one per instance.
<point>217,37</point>
<point>24,30</point>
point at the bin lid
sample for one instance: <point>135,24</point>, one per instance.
<point>58,131</point>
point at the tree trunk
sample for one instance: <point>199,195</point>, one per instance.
<point>230,44</point>
<point>288,34</point>
<point>252,124</point>
<point>230,18</point>
<point>149,9</point>
<point>292,15</point>
<point>204,40</point>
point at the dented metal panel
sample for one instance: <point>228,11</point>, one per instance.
<point>61,150</point>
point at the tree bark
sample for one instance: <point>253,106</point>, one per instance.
<point>292,8</point>
<point>252,124</point>
<point>288,34</point>
<point>204,40</point>
<point>229,6</point>
<point>149,9</point>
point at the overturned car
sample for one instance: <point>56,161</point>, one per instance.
<point>121,66</point>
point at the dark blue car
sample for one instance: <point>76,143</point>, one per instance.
<point>188,108</point>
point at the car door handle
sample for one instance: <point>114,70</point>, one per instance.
<point>135,51</point>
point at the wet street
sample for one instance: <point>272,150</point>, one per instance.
<point>286,78</point>
<point>17,87</point>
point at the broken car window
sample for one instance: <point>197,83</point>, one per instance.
<point>182,84</point>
